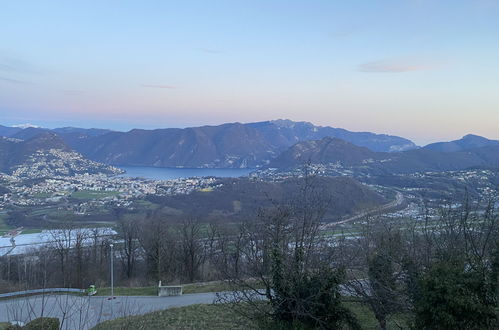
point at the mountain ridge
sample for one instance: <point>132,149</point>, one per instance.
<point>45,155</point>
<point>230,145</point>
<point>467,142</point>
<point>334,151</point>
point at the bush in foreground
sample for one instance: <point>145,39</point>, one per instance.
<point>41,323</point>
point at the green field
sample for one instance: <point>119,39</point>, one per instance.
<point>31,231</point>
<point>3,226</point>
<point>144,204</point>
<point>42,195</point>
<point>91,194</point>
<point>47,210</point>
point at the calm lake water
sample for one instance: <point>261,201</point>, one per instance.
<point>168,173</point>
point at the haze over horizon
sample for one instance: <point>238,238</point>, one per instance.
<point>418,69</point>
<point>125,128</point>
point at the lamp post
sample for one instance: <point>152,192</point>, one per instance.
<point>112,270</point>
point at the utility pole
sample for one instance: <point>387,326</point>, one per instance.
<point>112,270</point>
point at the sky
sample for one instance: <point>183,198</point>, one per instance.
<point>422,69</point>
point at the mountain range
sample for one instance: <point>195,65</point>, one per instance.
<point>331,150</point>
<point>277,143</point>
<point>228,145</point>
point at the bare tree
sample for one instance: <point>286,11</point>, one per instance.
<point>289,264</point>
<point>62,240</point>
<point>192,248</point>
<point>128,232</point>
<point>154,239</point>
<point>375,268</point>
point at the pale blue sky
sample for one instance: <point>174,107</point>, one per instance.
<point>424,69</point>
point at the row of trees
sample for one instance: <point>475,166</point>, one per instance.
<point>146,250</point>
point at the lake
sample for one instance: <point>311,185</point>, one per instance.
<point>169,173</point>
<point>25,242</point>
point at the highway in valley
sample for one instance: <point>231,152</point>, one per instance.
<point>397,202</point>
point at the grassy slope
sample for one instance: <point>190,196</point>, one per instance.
<point>208,317</point>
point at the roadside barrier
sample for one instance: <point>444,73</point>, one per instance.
<point>40,291</point>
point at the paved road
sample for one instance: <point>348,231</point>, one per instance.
<point>76,312</point>
<point>399,199</point>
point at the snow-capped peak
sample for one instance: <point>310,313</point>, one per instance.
<point>27,125</point>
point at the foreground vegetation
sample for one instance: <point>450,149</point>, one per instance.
<point>206,317</point>
<point>279,271</point>
<point>220,316</point>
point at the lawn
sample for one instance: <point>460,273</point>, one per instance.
<point>204,287</point>
<point>206,317</point>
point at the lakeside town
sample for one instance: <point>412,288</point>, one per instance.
<point>109,188</point>
<point>88,191</point>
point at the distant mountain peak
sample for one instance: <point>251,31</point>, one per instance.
<point>45,155</point>
<point>323,151</point>
<point>45,141</point>
<point>26,125</point>
<point>474,137</point>
<point>467,142</point>
<point>289,123</point>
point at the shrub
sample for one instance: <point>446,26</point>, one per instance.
<point>43,323</point>
<point>454,297</point>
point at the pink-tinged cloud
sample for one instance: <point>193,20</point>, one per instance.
<point>158,86</point>
<point>395,66</point>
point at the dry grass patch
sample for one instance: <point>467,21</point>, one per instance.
<point>206,317</point>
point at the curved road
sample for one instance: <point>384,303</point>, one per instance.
<point>399,199</point>
<point>76,312</point>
